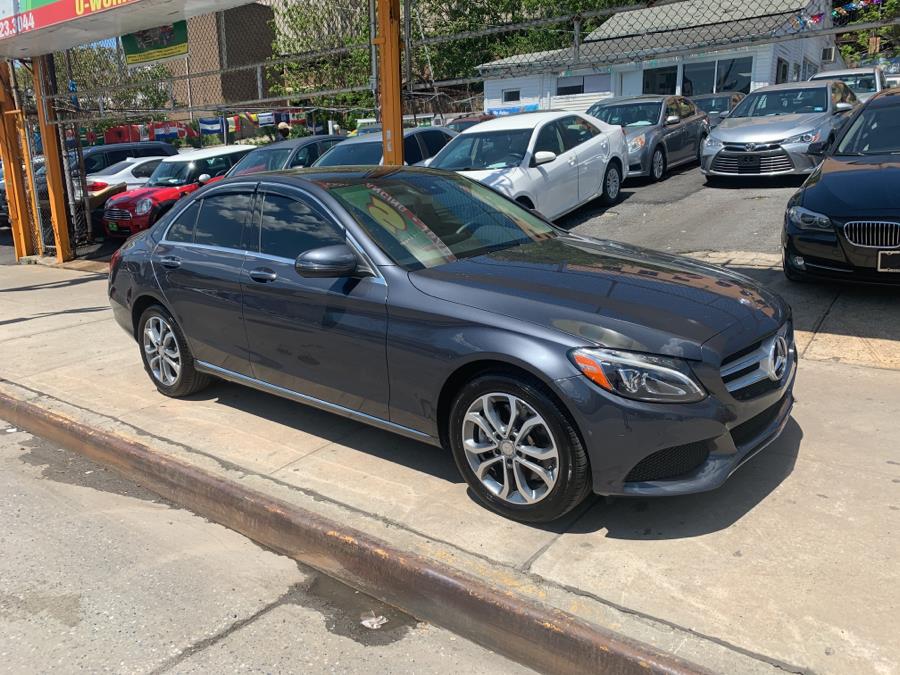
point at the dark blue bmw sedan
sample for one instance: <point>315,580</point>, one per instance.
<point>550,364</point>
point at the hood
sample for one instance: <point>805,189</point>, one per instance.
<point>767,129</point>
<point>130,198</point>
<point>631,132</point>
<point>610,294</point>
<point>848,187</point>
<point>499,179</point>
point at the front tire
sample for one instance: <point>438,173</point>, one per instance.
<point>517,450</point>
<point>612,185</point>
<point>166,354</point>
<point>657,164</point>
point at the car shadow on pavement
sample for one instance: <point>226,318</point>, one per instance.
<point>55,285</point>
<point>592,209</point>
<point>699,514</point>
<point>333,428</point>
<point>721,183</point>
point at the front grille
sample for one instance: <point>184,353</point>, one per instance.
<point>873,233</point>
<point>669,463</point>
<point>748,431</point>
<point>746,373</point>
<point>769,162</point>
<point>117,214</point>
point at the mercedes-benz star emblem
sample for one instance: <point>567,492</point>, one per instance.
<point>776,364</point>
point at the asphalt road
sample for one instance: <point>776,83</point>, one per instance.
<point>681,214</point>
<point>97,574</point>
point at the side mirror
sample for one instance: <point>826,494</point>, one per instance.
<point>328,261</point>
<point>204,178</point>
<point>672,119</point>
<point>544,157</point>
<point>842,107</point>
<point>817,148</point>
<point>724,113</point>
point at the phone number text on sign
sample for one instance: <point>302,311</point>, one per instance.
<point>20,23</point>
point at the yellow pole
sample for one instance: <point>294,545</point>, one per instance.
<point>11,153</point>
<point>388,41</point>
<point>52,159</point>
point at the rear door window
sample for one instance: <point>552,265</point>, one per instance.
<point>182,230</point>
<point>412,153</point>
<point>291,226</point>
<point>221,219</point>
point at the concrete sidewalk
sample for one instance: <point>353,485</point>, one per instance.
<point>791,565</point>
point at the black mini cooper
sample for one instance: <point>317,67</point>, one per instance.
<point>844,222</point>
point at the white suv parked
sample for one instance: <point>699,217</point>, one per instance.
<point>549,161</point>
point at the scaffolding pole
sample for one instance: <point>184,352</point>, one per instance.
<point>14,157</point>
<point>388,41</point>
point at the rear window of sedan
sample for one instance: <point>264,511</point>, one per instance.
<point>268,159</point>
<point>424,220</point>
<point>352,154</point>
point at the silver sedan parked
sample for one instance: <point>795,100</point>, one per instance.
<point>662,131</point>
<point>770,131</point>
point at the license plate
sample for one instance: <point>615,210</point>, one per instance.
<point>751,161</point>
<point>113,227</point>
<point>889,261</point>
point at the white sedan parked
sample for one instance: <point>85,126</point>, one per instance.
<point>549,161</point>
<point>134,172</point>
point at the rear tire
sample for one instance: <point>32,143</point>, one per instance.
<point>496,450</point>
<point>166,354</point>
<point>612,185</point>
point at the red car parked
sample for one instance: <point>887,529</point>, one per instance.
<point>175,177</point>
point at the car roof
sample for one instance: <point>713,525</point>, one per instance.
<point>206,153</point>
<point>645,98</point>
<point>376,137</point>
<point>123,146</point>
<point>716,95</point>
<point>298,142</point>
<point>826,74</point>
<point>526,120</point>
<point>885,97</point>
<point>320,175</point>
<point>792,85</point>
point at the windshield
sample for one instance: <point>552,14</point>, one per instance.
<point>716,104</point>
<point>629,114</point>
<point>783,102</point>
<point>173,173</point>
<point>113,168</point>
<point>860,83</point>
<point>423,220</point>
<point>459,127</point>
<point>486,150</point>
<point>268,159</point>
<point>352,154</point>
<point>875,131</point>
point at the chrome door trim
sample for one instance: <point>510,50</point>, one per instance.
<point>292,395</point>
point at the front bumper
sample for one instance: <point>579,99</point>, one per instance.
<point>638,163</point>
<point>765,160</point>
<point>123,223</point>
<point>828,255</point>
<point>703,442</point>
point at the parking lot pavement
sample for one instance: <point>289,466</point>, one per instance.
<point>794,562</point>
<point>97,575</point>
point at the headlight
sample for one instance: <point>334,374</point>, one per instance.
<point>143,207</point>
<point>713,142</point>
<point>808,220</point>
<point>808,137</point>
<point>636,143</point>
<point>642,377</point>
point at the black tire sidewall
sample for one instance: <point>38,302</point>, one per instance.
<point>561,498</point>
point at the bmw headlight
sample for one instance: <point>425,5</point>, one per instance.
<point>642,377</point>
<point>712,142</point>
<point>808,220</point>
<point>143,207</point>
<point>636,143</point>
<point>807,137</point>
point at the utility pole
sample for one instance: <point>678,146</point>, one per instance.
<point>388,41</point>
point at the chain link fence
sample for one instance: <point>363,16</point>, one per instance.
<point>313,62</point>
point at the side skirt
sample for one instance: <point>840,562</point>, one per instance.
<point>238,378</point>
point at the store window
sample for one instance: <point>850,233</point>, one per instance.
<point>698,78</point>
<point>734,74</point>
<point>660,80</point>
<point>782,71</point>
<point>566,86</point>
<point>809,69</point>
<point>511,95</point>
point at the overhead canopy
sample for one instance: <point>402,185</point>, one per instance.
<point>35,27</point>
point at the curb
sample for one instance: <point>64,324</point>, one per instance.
<point>541,637</point>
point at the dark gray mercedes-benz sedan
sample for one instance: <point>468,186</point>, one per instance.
<point>424,303</point>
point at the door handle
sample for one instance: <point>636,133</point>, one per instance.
<point>170,261</point>
<point>263,275</point>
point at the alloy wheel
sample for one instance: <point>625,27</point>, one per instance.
<point>161,350</point>
<point>613,184</point>
<point>510,448</point>
<point>658,164</point>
